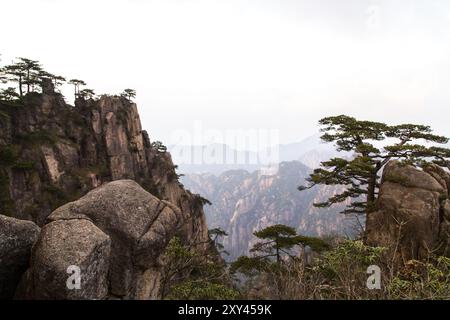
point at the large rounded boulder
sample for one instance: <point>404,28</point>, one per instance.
<point>111,238</point>
<point>16,239</point>
<point>412,217</point>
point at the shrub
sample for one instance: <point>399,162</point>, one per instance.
<point>202,290</point>
<point>38,138</point>
<point>8,155</point>
<point>190,274</point>
<point>419,280</point>
<point>341,274</point>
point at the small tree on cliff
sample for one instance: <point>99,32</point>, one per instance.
<point>31,69</point>
<point>3,77</point>
<point>8,94</point>
<point>159,147</point>
<point>15,73</point>
<point>129,94</point>
<point>86,94</point>
<point>29,73</point>
<point>215,235</point>
<point>190,273</point>
<point>77,83</point>
<point>57,80</point>
<point>360,173</point>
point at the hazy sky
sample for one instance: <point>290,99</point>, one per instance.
<point>258,64</point>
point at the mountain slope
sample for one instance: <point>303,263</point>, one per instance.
<point>244,202</point>
<point>53,153</point>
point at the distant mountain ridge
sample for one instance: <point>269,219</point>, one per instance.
<point>244,202</point>
<point>219,158</point>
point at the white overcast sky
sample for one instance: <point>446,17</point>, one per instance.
<point>261,64</point>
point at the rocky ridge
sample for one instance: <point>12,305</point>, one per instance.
<point>52,153</point>
<point>413,212</point>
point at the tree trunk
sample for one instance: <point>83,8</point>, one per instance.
<point>371,188</point>
<point>28,81</point>
<point>20,86</point>
<point>278,251</point>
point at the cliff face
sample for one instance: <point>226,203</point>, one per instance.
<point>52,153</point>
<point>243,203</point>
<point>57,153</point>
<point>413,216</point>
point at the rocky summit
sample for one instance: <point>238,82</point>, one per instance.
<point>413,212</point>
<point>52,156</point>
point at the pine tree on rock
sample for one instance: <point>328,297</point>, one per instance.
<point>372,145</point>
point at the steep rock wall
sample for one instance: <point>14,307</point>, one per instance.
<point>52,153</point>
<point>413,216</point>
<point>58,153</point>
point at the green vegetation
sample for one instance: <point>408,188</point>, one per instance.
<point>8,94</point>
<point>159,147</point>
<point>129,94</point>
<point>215,235</point>
<point>54,196</point>
<point>24,165</point>
<point>341,272</point>
<point>24,72</point>
<point>9,158</point>
<point>202,290</point>
<point>6,203</point>
<point>8,155</point>
<point>38,138</point>
<point>277,243</point>
<point>360,173</point>
<point>4,117</point>
<point>172,175</point>
<point>190,274</point>
<point>56,80</point>
<point>28,76</point>
<point>77,83</point>
<point>279,239</point>
<point>86,94</point>
<point>422,280</point>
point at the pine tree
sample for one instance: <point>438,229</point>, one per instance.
<point>15,73</point>
<point>360,172</point>
<point>279,239</point>
<point>86,94</point>
<point>129,94</point>
<point>77,83</point>
<point>31,69</point>
<point>8,94</point>
<point>57,80</point>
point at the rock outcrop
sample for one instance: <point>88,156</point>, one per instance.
<point>114,235</point>
<point>52,153</point>
<point>413,216</point>
<point>16,240</point>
